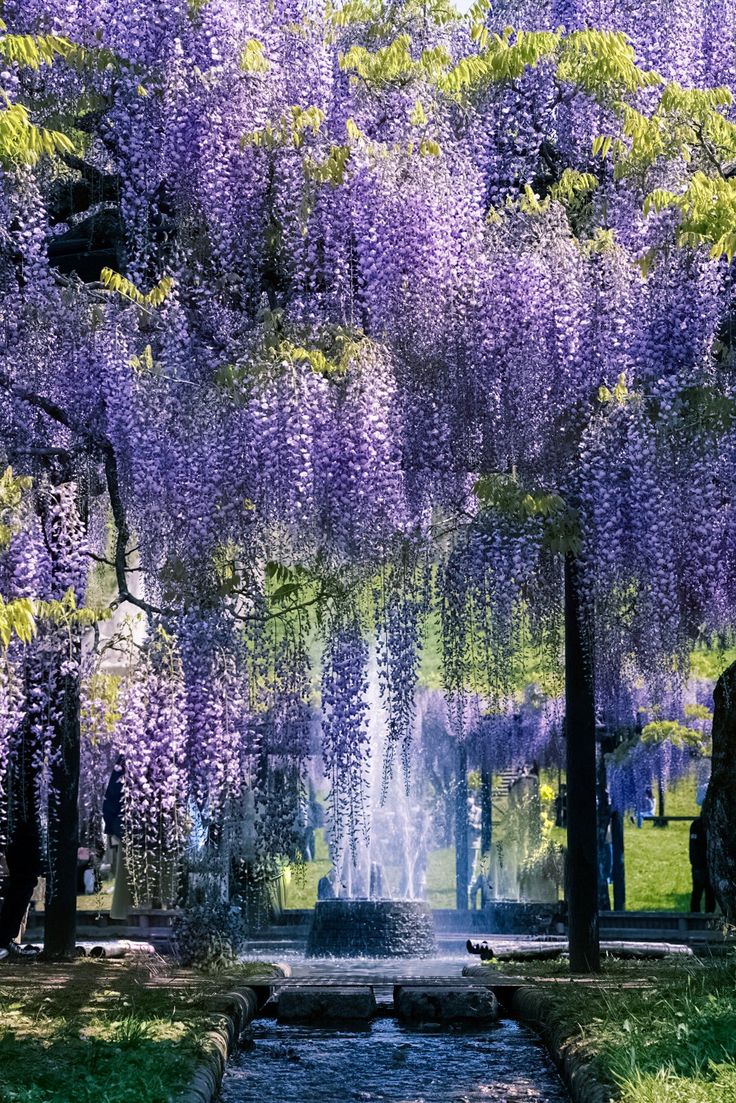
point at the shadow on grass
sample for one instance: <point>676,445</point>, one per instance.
<point>70,1064</point>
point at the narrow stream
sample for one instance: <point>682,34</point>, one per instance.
<point>387,1063</point>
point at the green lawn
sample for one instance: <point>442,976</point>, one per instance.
<point>672,1042</point>
<point>657,863</point>
<point>301,887</point>
<point>657,858</point>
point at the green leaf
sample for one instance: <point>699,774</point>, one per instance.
<point>117,284</point>
<point>252,58</point>
<point>418,115</point>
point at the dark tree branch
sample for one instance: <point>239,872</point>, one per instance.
<point>102,445</point>
<point>122,536</point>
<point>296,608</point>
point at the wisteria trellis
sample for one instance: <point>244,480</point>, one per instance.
<point>392,250</point>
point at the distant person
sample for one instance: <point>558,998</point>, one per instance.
<point>315,819</point>
<point>23,864</point>
<point>699,866</point>
<point>558,921</point>
<point>481,886</point>
<point>482,948</point>
<point>112,813</point>
<point>326,886</point>
<point>23,861</point>
<point>647,807</point>
<point>605,867</point>
<point>561,806</point>
<point>475,823</point>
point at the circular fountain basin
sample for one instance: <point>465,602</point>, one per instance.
<point>371,928</point>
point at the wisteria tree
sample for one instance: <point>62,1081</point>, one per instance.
<point>322,318</point>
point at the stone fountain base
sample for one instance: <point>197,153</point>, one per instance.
<point>371,928</point>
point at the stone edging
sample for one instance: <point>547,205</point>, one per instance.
<point>231,1014</point>
<point>532,1007</point>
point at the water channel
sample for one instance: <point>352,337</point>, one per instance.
<point>388,1063</point>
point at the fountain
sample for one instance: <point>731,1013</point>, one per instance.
<point>378,910</point>
<point>371,928</point>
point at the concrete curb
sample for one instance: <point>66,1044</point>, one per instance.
<point>533,1007</point>
<point>231,1014</point>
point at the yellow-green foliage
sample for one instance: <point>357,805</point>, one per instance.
<point>145,363</point>
<point>394,65</point>
<point>101,707</point>
<point>659,731</point>
<point>66,613</point>
<point>506,496</point>
<point>378,19</point>
<point>354,11</point>
<point>501,57</point>
<point>573,185</point>
<point>708,210</point>
<point>17,618</point>
<point>418,116</point>
<point>32,51</point>
<point>688,124</point>
<point>619,395</point>
<point>289,129</point>
<point>23,143</point>
<point>382,66</point>
<point>252,58</point>
<point>603,64</point>
<point>119,285</point>
<point>331,354</point>
<point>600,63</point>
<point>571,190</point>
<point>331,362</point>
<point>12,489</point>
<point>698,712</point>
<point>332,169</point>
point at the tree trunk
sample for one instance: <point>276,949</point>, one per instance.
<point>486,811</point>
<point>582,830</point>
<point>619,868</point>
<point>60,932</point>
<point>719,808</point>
<point>660,820</point>
<point>461,830</point>
<point>604,820</point>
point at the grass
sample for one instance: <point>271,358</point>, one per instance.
<point>102,1033</point>
<point>301,886</point>
<point>671,1041</point>
<point>657,858</point>
<point>657,863</point>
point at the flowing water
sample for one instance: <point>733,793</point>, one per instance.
<point>387,1063</point>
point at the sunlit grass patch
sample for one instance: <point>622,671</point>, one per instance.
<point>671,1041</point>
<point>111,1033</point>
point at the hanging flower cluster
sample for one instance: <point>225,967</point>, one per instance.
<point>402,599</point>
<point>344,725</point>
<point>151,740</point>
<point>663,752</point>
